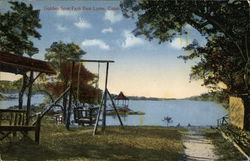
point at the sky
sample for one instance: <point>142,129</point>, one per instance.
<point>141,68</point>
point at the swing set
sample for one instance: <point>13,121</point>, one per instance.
<point>90,114</point>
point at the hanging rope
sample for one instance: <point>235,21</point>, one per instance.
<point>98,76</point>
<point>78,81</point>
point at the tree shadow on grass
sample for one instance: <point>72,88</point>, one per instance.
<point>25,149</point>
<point>28,150</point>
<point>152,132</point>
<point>115,144</point>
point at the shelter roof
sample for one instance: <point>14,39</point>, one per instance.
<point>19,64</point>
<point>121,96</point>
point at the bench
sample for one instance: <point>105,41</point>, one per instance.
<point>13,121</point>
<point>83,115</point>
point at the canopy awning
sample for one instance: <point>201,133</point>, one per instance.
<point>17,64</point>
<point>121,96</point>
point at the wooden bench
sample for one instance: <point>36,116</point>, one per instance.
<point>12,121</point>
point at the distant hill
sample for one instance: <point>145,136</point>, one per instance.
<point>144,98</point>
<point>218,97</point>
<point>149,98</point>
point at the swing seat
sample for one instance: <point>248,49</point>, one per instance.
<point>84,116</point>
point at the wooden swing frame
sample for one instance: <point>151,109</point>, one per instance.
<point>103,106</point>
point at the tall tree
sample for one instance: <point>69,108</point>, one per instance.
<point>58,52</point>
<point>219,63</point>
<point>17,26</point>
<point>82,81</point>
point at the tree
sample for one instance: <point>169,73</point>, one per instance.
<point>168,120</point>
<point>216,20</point>
<point>17,27</point>
<point>59,52</point>
<point>225,24</point>
<point>219,62</point>
<point>82,80</point>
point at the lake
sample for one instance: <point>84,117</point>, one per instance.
<point>183,112</point>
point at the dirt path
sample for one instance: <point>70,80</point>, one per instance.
<point>197,147</point>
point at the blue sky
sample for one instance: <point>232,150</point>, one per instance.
<point>141,67</point>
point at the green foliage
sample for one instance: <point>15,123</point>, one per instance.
<point>218,97</point>
<point>164,19</point>
<point>59,52</point>
<point>219,62</point>
<point>226,150</point>
<point>14,86</point>
<point>239,136</point>
<point>8,86</point>
<point>17,27</point>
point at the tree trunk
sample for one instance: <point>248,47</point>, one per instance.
<point>70,97</point>
<point>246,101</point>
<point>29,98</point>
<point>21,93</point>
<point>65,102</point>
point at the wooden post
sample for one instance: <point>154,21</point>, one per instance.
<point>20,97</point>
<point>105,99</point>
<point>70,96</point>
<point>29,98</point>
<point>115,108</point>
<point>37,129</point>
<point>98,116</point>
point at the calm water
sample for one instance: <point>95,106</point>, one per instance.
<point>36,99</point>
<point>197,113</point>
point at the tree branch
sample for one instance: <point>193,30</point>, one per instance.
<point>221,27</point>
<point>246,45</point>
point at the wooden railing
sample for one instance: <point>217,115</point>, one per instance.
<point>12,121</point>
<point>223,120</point>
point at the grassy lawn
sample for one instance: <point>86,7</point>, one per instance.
<point>226,150</point>
<point>131,143</point>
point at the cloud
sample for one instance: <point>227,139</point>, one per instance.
<point>61,27</point>
<point>82,24</point>
<point>66,13</point>
<point>106,30</point>
<point>112,16</point>
<point>96,42</point>
<point>179,43</point>
<point>131,40</point>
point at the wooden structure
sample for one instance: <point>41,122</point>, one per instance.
<point>103,106</point>
<point>237,111</point>
<point>123,99</point>
<point>21,65</point>
<point>83,115</point>
<point>15,121</point>
<point>19,120</point>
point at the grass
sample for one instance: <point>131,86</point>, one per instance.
<point>130,143</point>
<point>226,149</point>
